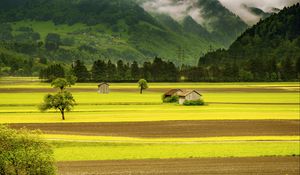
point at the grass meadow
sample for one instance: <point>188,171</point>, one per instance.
<point>19,98</point>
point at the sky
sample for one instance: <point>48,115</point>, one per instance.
<point>178,9</point>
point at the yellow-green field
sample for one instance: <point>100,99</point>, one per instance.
<point>19,98</point>
<point>107,151</point>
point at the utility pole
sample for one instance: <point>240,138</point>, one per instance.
<point>181,55</point>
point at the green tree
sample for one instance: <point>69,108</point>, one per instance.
<point>62,83</point>
<point>52,41</point>
<point>135,71</point>
<point>52,72</point>
<point>99,70</point>
<point>121,70</point>
<point>288,69</point>
<point>111,71</point>
<point>62,101</point>
<point>298,66</point>
<point>143,84</point>
<point>23,152</point>
<point>81,71</point>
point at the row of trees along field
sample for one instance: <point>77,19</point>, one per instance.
<point>166,71</point>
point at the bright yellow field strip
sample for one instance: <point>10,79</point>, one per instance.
<point>136,116</point>
<point>80,138</point>
<point>127,97</point>
<point>163,108</point>
<point>123,151</point>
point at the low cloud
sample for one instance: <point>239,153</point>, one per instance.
<point>237,7</point>
<point>177,9</point>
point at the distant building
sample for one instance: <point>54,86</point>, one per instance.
<point>103,88</point>
<point>183,95</point>
<point>173,92</point>
<point>190,95</point>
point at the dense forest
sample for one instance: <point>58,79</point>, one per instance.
<point>269,51</point>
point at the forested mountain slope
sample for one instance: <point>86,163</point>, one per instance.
<point>265,48</point>
<point>98,29</point>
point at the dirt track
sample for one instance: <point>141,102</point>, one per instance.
<point>174,128</point>
<point>259,165</point>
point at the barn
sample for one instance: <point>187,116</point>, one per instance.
<point>184,95</point>
<point>190,95</point>
<point>173,92</point>
<point>103,88</point>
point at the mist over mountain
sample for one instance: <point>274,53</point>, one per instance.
<point>269,50</point>
<point>241,8</point>
<point>179,9</point>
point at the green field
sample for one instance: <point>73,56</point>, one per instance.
<point>112,151</point>
<point>19,98</point>
<point>127,113</point>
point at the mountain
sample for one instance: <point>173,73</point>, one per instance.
<point>223,25</point>
<point>66,30</point>
<point>94,29</point>
<point>270,45</point>
<point>259,12</point>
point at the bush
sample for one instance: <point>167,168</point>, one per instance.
<point>194,103</point>
<point>23,152</point>
<point>172,99</point>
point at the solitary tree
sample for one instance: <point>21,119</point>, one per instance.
<point>62,101</point>
<point>62,83</point>
<point>142,85</point>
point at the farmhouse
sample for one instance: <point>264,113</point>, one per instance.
<point>183,95</point>
<point>103,88</point>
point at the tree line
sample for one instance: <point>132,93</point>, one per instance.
<point>165,71</point>
<point>158,71</point>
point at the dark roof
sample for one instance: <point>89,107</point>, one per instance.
<point>103,84</point>
<point>187,92</point>
<point>172,92</point>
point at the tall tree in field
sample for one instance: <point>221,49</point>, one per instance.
<point>62,83</point>
<point>143,84</point>
<point>62,101</point>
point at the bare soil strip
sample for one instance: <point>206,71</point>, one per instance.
<point>179,129</point>
<point>160,90</point>
<point>237,166</point>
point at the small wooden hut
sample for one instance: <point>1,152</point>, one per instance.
<point>103,88</point>
<point>189,95</point>
<point>184,95</point>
